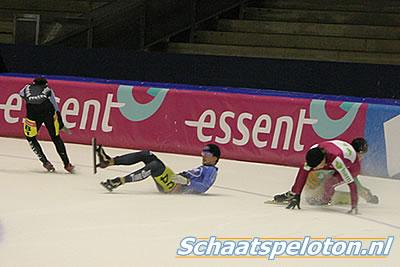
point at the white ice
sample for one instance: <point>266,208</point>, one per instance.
<point>61,219</point>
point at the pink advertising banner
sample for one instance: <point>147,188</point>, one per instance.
<point>256,128</point>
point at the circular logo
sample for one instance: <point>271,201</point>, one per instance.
<point>328,128</point>
<point>134,111</point>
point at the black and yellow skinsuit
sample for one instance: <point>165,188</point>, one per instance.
<point>41,107</point>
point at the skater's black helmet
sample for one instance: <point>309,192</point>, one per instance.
<point>360,145</point>
<point>315,156</point>
<point>40,80</point>
<point>213,149</point>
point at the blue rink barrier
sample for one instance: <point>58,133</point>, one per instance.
<point>382,130</point>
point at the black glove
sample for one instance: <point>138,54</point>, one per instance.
<point>353,211</point>
<point>60,121</point>
<point>295,201</point>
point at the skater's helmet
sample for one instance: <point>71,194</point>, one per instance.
<point>360,145</point>
<point>315,156</point>
<point>40,80</point>
<point>213,149</point>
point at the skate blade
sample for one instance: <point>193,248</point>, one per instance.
<point>94,163</point>
<point>275,202</point>
<point>73,171</point>
<point>106,187</point>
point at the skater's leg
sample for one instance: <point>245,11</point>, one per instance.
<point>36,148</point>
<point>31,128</point>
<point>54,132</point>
<point>144,156</point>
<point>329,187</point>
<point>61,150</point>
<point>365,193</point>
<point>153,168</point>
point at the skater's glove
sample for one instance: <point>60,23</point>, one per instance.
<point>353,211</point>
<point>65,129</point>
<point>295,201</point>
<point>179,179</point>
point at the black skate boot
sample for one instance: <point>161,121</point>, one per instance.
<point>103,157</point>
<point>49,167</point>
<point>285,197</point>
<point>111,184</point>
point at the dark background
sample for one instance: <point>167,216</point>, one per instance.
<point>350,79</point>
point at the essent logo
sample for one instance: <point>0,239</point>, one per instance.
<point>134,111</point>
<point>328,128</point>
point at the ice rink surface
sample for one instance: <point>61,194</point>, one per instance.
<point>62,219</point>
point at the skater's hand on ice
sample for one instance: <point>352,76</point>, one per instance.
<point>295,201</point>
<point>353,211</point>
<point>179,179</point>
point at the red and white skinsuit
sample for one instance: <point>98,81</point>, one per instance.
<point>341,157</point>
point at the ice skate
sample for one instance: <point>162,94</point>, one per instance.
<point>317,201</point>
<point>111,184</point>
<point>275,202</point>
<point>103,157</point>
<point>373,200</point>
<point>70,168</point>
<point>285,197</point>
<point>49,167</point>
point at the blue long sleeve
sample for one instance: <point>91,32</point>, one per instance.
<point>53,101</point>
<point>201,179</point>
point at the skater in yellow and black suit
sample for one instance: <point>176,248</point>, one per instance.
<point>41,107</point>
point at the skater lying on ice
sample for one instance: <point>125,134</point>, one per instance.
<point>196,181</point>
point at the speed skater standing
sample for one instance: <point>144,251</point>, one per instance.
<point>41,107</point>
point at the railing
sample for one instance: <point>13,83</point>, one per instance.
<point>132,24</point>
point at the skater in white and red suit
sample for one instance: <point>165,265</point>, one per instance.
<point>340,156</point>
